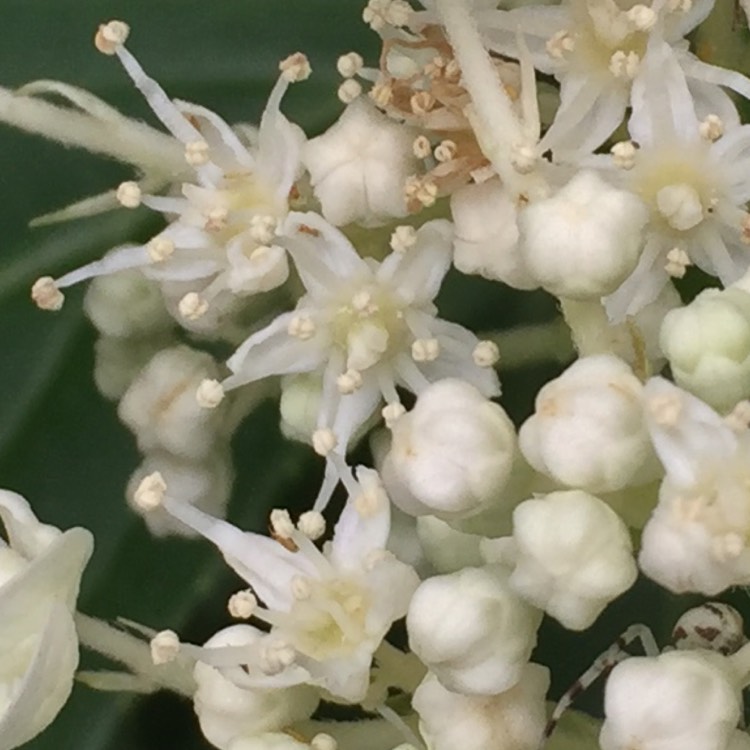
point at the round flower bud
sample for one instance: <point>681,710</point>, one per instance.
<point>472,631</point>
<point>680,700</point>
<point>585,240</point>
<point>206,485</point>
<point>588,429</point>
<point>486,239</point>
<point>299,405</point>
<point>359,166</point>
<point>227,712</point>
<point>451,454</point>
<point>512,720</point>
<point>161,409</point>
<point>707,344</point>
<point>573,555</point>
<point>126,304</point>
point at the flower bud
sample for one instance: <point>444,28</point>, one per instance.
<point>708,346</point>
<point>512,720</point>
<point>161,409</point>
<point>486,240</point>
<point>451,454</point>
<point>680,700</point>
<point>472,631</point>
<point>588,429</point>
<point>585,240</point>
<point>126,304</point>
<point>40,574</point>
<point>572,575</point>
<point>227,712</point>
<point>359,166</point>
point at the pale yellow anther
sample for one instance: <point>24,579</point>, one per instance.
<point>642,17</point>
<point>210,394</point>
<point>192,306</point>
<point>350,64</point>
<point>110,36</point>
<point>324,440</point>
<point>323,742</point>
<point>263,228</point>
<point>150,492</point>
<point>446,151</point>
<point>281,523</point>
<point>381,94</point>
<point>486,354</point>
<point>665,410</point>
<point>677,262</point>
<point>423,190</point>
<point>349,382</point>
<point>560,44</point>
<point>425,350</point>
<point>422,148</point>
<point>392,413</point>
<point>242,604</point>
<point>165,647</point>
<point>624,64</point>
<point>129,194</point>
<point>197,153</point>
<point>302,327</point>
<point>623,154</point>
<point>403,238</point>
<point>159,249</point>
<point>312,524</point>
<point>711,128</point>
<point>295,68</point>
<point>46,295</point>
<point>216,219</point>
<point>523,158</point>
<point>422,102</point>
<point>349,90</point>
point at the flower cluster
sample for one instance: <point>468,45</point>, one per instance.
<point>320,262</point>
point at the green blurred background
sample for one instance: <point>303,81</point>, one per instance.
<point>61,444</point>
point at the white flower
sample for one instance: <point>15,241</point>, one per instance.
<point>572,555</point>
<point>707,344</point>
<point>588,429</point>
<point>680,700</point>
<point>472,631</point>
<point>486,241</point>
<point>328,610</point>
<point>40,572</point>
<point>696,539</point>
<point>584,240</point>
<point>227,712</point>
<point>360,165</point>
<point>452,454</point>
<point>160,406</point>
<point>512,720</point>
<point>221,238</point>
<point>363,327</point>
<point>595,49</point>
<point>695,188</point>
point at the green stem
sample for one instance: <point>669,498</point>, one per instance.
<point>529,345</point>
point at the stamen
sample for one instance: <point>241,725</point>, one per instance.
<point>350,64</point>
<point>324,441</point>
<point>192,306</point>
<point>46,295</point>
<point>486,354</point>
<point>295,68</point>
<point>197,153</point>
<point>210,394</point>
<point>312,524</point>
<point>150,492</point>
<point>349,90</point>
<point>129,194</point>
<point>110,36</point>
<point>425,350</point>
<point>392,413</point>
<point>242,604</point>
<point>404,238</point>
<point>165,647</point>
<point>160,248</point>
